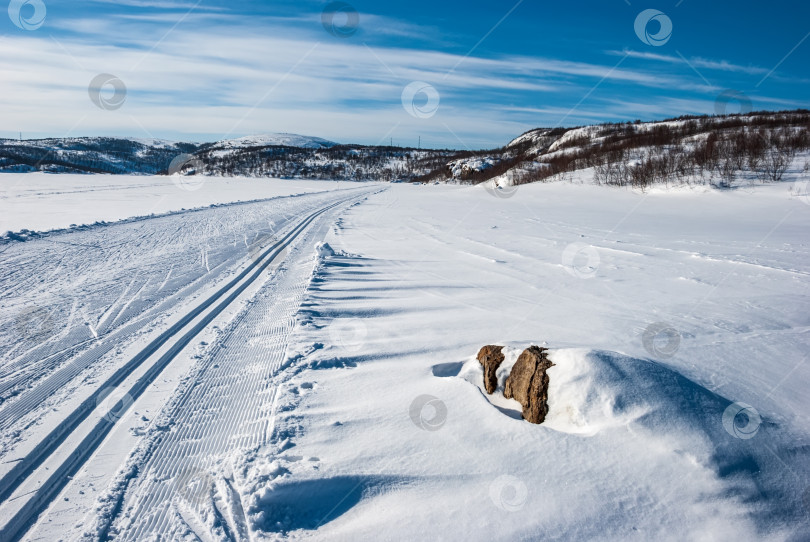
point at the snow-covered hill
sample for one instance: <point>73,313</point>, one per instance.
<point>274,140</point>
<point>689,150</point>
<point>90,155</point>
<point>270,155</point>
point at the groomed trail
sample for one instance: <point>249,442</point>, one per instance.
<point>134,296</point>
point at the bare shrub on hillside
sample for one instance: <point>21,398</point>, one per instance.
<point>775,163</point>
<point>688,149</point>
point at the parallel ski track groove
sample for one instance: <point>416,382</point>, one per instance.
<point>21,522</point>
<point>217,415</point>
<point>14,411</point>
<point>30,362</point>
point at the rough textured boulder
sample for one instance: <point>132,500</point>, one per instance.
<point>491,358</point>
<point>528,383</point>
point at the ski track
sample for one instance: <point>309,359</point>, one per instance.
<point>227,409</point>
<point>160,276</point>
<point>94,282</point>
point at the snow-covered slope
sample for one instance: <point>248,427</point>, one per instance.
<point>286,140</point>
<point>537,139</point>
<point>722,151</point>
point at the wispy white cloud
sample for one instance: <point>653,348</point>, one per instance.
<point>214,69</point>
<point>721,65</point>
<point>159,4</point>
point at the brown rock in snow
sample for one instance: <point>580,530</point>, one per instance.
<point>491,358</point>
<point>528,383</point>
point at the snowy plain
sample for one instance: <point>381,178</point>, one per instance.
<point>43,201</point>
<point>338,397</point>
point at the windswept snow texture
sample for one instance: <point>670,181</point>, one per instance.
<point>331,391</point>
<point>641,442</point>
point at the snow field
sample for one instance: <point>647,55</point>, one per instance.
<point>42,201</point>
<point>671,310</point>
<point>340,399</point>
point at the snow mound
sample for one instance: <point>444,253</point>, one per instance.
<point>610,397</point>
<point>324,250</point>
<point>501,182</point>
<point>592,391</point>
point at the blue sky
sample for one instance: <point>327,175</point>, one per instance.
<point>457,74</point>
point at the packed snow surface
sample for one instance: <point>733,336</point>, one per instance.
<point>337,396</point>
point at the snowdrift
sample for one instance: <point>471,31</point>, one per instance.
<point>602,394</point>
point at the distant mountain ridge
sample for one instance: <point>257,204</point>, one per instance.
<point>713,149</point>
<point>127,155</point>
<point>267,155</point>
<point>90,155</point>
<point>277,140</point>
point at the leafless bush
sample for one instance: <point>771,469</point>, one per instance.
<point>698,149</point>
<point>775,163</point>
